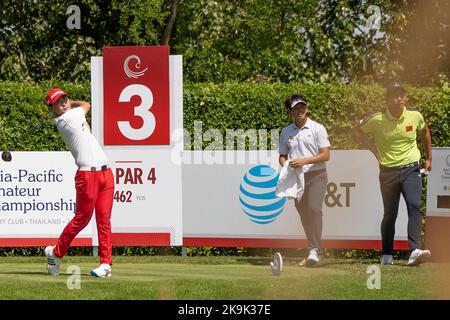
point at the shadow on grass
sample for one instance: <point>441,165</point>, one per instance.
<point>289,261</point>
<point>325,262</point>
<point>43,273</point>
<point>25,272</point>
<point>255,261</point>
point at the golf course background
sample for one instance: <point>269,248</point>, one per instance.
<point>227,106</point>
<point>241,60</point>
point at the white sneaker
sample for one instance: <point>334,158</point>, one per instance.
<point>53,262</point>
<point>386,259</point>
<point>313,257</point>
<point>418,256</point>
<point>103,271</point>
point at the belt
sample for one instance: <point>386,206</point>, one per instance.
<point>412,164</point>
<point>94,169</point>
<point>315,171</point>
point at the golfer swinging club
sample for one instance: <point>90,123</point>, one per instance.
<point>94,182</point>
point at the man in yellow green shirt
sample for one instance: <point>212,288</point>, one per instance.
<point>391,136</point>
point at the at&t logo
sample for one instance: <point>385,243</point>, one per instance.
<point>257,195</point>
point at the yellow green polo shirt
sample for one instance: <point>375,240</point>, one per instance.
<point>395,139</point>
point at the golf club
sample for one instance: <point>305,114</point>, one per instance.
<point>276,266</point>
<point>6,154</point>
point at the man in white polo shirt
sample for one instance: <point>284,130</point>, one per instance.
<point>305,144</point>
<point>94,182</point>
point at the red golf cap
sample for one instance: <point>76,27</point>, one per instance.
<point>53,95</point>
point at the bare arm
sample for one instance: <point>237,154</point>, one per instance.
<point>324,155</point>
<point>426,140</point>
<point>362,138</point>
<point>83,104</point>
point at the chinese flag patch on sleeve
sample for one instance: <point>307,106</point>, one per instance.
<point>409,128</point>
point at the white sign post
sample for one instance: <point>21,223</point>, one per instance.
<point>147,202</point>
<point>438,206</point>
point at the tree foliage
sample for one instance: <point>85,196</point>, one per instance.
<point>37,44</point>
<point>227,40</point>
<point>314,40</point>
<point>420,47</point>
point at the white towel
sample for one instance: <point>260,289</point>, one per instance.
<point>291,182</point>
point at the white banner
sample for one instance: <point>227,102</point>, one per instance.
<point>438,184</point>
<point>216,207</point>
<point>37,198</point>
<point>147,199</point>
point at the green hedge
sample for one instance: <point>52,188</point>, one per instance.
<point>336,106</point>
<point>22,106</point>
<point>231,106</point>
<point>227,106</point>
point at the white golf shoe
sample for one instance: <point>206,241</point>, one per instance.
<point>418,256</point>
<point>53,262</point>
<point>103,271</point>
<point>313,257</point>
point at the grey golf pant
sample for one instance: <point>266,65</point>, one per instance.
<point>408,182</point>
<point>310,206</point>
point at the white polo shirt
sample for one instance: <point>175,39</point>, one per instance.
<point>304,142</point>
<point>78,138</point>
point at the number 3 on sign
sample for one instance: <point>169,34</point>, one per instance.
<point>142,111</point>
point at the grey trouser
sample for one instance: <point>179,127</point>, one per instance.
<point>408,182</point>
<point>310,206</point>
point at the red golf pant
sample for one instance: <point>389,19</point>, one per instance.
<point>95,190</point>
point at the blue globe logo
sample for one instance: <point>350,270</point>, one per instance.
<point>257,195</point>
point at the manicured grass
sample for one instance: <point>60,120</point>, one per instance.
<point>173,277</point>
